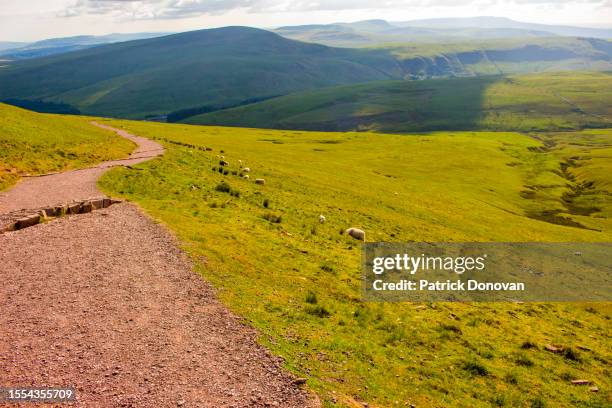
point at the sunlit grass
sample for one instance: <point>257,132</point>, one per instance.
<point>298,281</point>
<point>34,143</point>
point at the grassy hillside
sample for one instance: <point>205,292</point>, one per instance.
<point>156,76</point>
<point>527,102</point>
<point>231,65</point>
<point>33,143</point>
<point>484,56</point>
<point>298,281</point>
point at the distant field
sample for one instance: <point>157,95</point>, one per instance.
<point>33,143</point>
<point>298,281</point>
<point>561,101</point>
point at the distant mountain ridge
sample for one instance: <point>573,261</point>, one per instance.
<point>503,22</point>
<point>62,45</point>
<point>8,45</point>
<point>376,32</point>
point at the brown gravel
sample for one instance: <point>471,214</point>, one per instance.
<point>107,303</point>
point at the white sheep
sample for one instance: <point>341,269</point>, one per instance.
<point>356,233</point>
<point>246,176</point>
<point>321,219</point>
<point>260,181</point>
<point>246,170</point>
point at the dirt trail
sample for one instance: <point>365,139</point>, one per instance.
<point>76,185</point>
<point>107,303</point>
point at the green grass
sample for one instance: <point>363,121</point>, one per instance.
<point>298,281</point>
<point>33,143</point>
<point>534,102</point>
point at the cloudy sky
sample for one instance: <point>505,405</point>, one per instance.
<point>27,20</point>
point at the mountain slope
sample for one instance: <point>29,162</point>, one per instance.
<point>156,76</point>
<point>527,102</point>
<point>504,56</point>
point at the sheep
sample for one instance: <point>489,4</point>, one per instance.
<point>240,163</point>
<point>246,176</point>
<point>260,181</point>
<point>321,219</point>
<point>356,233</point>
<point>246,170</point>
<point>222,157</point>
<point>223,163</point>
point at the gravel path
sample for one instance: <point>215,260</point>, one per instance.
<point>107,303</point>
<point>76,185</point>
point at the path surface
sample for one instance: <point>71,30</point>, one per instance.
<point>76,185</point>
<point>107,303</point>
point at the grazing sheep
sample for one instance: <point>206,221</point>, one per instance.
<point>260,181</point>
<point>223,163</point>
<point>356,233</point>
<point>246,170</point>
<point>222,157</point>
<point>321,219</point>
<point>246,176</point>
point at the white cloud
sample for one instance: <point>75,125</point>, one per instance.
<point>152,9</point>
<point>177,9</point>
<point>26,20</point>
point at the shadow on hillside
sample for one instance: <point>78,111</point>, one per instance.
<point>407,106</point>
<point>384,106</point>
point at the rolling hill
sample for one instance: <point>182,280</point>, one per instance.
<point>206,70</point>
<point>522,102</point>
<point>155,76</point>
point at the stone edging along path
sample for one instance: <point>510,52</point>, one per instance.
<point>21,219</point>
